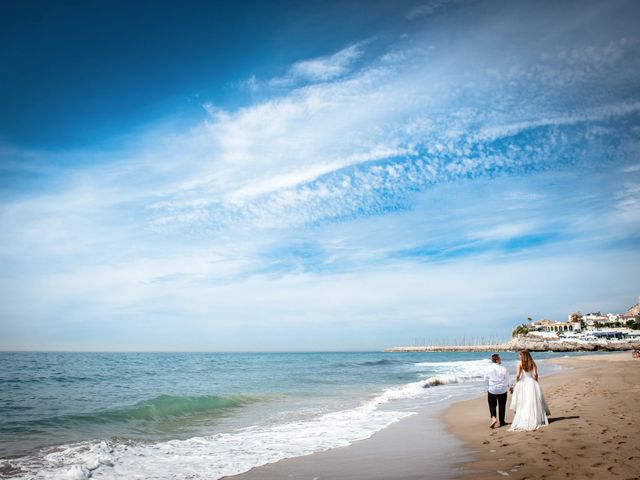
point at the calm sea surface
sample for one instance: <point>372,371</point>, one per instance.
<point>205,415</point>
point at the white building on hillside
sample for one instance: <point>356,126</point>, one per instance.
<point>592,320</point>
<point>558,327</point>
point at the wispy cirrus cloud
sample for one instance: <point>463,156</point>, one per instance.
<point>428,8</point>
<point>399,123</point>
<point>407,119</point>
<point>314,180</point>
<point>327,67</point>
<point>312,70</point>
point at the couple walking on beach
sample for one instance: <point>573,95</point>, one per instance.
<point>527,400</point>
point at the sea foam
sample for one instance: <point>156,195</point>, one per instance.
<point>213,456</point>
<point>462,370</point>
<point>225,454</point>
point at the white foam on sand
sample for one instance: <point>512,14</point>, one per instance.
<point>213,456</point>
<point>463,369</point>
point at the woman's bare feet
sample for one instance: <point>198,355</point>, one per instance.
<point>494,420</point>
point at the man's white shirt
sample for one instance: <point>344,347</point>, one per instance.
<point>497,379</point>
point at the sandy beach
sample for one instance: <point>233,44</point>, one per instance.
<point>593,430</point>
<point>593,434</point>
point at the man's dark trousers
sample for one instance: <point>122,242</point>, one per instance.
<point>501,400</point>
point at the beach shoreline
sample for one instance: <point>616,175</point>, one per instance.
<point>404,450</point>
<point>444,435</point>
<point>591,433</point>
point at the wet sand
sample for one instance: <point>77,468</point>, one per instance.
<point>414,448</point>
<point>593,431</point>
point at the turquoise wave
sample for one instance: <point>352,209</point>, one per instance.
<point>165,407</point>
<point>159,409</point>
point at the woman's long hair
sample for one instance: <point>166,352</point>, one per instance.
<point>527,361</point>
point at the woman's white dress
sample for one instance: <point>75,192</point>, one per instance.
<point>529,404</point>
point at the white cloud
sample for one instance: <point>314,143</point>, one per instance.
<point>632,168</point>
<point>428,8</point>
<point>282,161</point>
<point>409,300</point>
<point>627,213</point>
<point>321,69</point>
<point>505,231</point>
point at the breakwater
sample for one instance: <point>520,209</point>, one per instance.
<point>504,347</point>
<point>530,343</point>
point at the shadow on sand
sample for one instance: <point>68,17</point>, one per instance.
<point>557,419</point>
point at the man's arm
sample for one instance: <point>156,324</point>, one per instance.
<point>508,381</point>
<point>486,376</point>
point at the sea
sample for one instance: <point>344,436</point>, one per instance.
<point>66,415</point>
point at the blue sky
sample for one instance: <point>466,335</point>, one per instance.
<point>313,175</point>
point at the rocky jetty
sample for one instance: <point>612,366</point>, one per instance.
<point>502,347</point>
<point>568,345</point>
<point>534,344</point>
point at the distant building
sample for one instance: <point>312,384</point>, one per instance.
<point>558,327</point>
<point>593,320</point>
<point>610,334</point>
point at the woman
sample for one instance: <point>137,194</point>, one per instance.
<point>527,399</point>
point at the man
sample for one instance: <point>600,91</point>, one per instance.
<point>498,382</point>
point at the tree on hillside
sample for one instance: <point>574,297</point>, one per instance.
<point>577,317</point>
<point>633,324</point>
<point>520,330</point>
